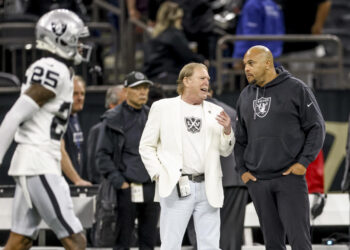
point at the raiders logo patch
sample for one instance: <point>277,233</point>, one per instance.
<point>262,106</point>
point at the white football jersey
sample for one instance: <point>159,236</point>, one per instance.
<point>39,137</point>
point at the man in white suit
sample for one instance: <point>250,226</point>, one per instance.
<point>180,148</point>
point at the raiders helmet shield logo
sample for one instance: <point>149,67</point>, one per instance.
<point>58,28</point>
<point>261,106</point>
<point>193,124</point>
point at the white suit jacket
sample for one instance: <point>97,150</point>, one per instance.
<point>161,147</point>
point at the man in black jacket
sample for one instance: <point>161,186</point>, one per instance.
<point>280,130</point>
<point>118,159</point>
<point>114,96</point>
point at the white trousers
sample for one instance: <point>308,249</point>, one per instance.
<point>176,212</point>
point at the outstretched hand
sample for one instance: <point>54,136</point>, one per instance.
<point>297,169</point>
<point>224,120</point>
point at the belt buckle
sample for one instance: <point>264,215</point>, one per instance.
<point>196,178</point>
<point>193,177</point>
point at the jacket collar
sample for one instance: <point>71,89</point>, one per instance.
<point>114,117</point>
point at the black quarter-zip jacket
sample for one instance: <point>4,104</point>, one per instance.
<point>278,125</point>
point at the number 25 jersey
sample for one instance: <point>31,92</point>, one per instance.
<point>38,150</point>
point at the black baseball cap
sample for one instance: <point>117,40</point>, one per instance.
<point>136,78</point>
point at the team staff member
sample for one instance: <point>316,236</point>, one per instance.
<point>118,160</point>
<point>71,143</point>
<point>280,130</point>
<point>181,147</point>
<point>114,96</point>
<point>74,138</point>
<point>235,193</point>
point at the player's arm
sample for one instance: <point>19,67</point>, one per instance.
<point>23,109</point>
<point>69,170</point>
<point>39,94</point>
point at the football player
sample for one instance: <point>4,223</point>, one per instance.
<point>37,121</point>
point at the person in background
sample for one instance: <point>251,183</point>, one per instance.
<point>114,96</point>
<point>168,50</point>
<point>260,17</point>
<point>280,130</point>
<point>156,93</point>
<point>38,121</point>
<point>73,139</point>
<point>199,25</point>
<point>180,148</point>
<point>304,17</point>
<point>197,22</point>
<point>71,144</point>
<point>118,160</point>
<point>315,175</point>
<point>137,9</point>
<point>69,171</point>
<point>40,7</point>
<point>235,193</point>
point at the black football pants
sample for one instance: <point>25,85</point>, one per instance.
<point>282,205</point>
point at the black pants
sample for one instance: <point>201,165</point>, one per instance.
<point>232,218</point>
<point>147,214</point>
<point>282,205</point>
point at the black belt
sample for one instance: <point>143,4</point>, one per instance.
<point>195,178</point>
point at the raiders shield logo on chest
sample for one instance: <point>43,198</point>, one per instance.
<point>262,106</point>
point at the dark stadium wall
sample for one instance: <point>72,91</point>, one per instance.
<point>334,104</point>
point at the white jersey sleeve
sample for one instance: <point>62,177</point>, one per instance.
<point>43,132</point>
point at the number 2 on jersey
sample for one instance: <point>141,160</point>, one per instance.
<point>59,121</point>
